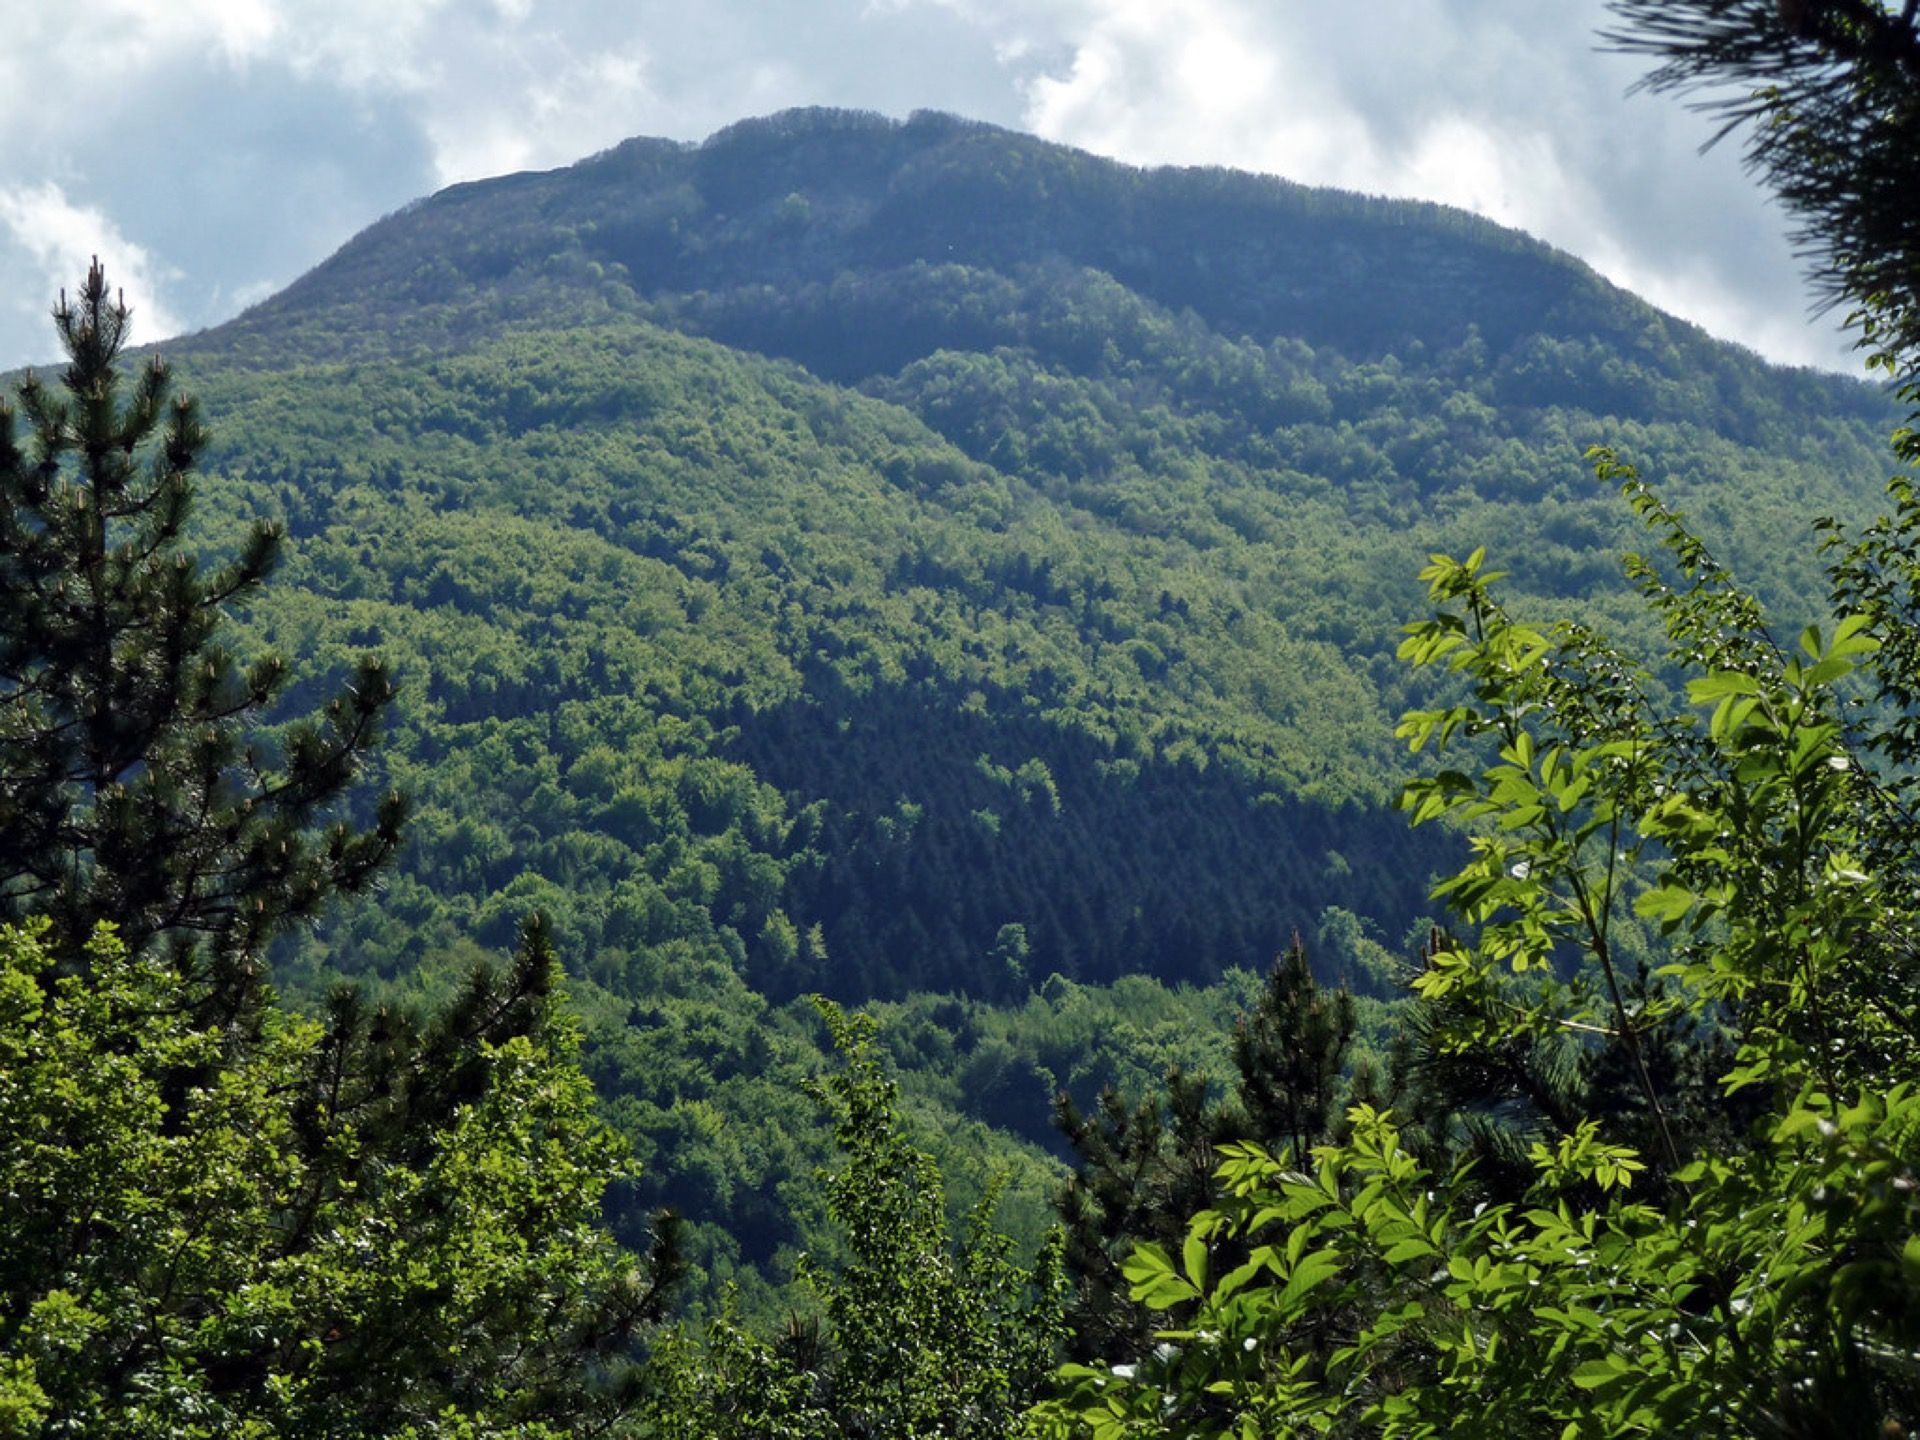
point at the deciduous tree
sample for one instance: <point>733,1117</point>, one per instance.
<point>221,1219</point>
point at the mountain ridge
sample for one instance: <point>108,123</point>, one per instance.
<point>782,604</point>
<point>1136,499</point>
<point>680,180</point>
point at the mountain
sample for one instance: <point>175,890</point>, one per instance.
<point>912,560</point>
<point>793,235</point>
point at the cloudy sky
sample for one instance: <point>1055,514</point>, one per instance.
<point>211,150</point>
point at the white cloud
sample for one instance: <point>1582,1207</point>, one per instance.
<point>1496,106</point>
<point>61,237</point>
<point>119,38</point>
<point>355,43</point>
<point>544,105</point>
<point>241,30</point>
<point>1696,291</point>
<point>380,45</point>
<point>246,138</point>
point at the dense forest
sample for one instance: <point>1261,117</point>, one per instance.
<point>794,583</point>
<point>915,568</point>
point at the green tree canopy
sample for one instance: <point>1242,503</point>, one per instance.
<point>135,782</point>
<point>221,1219</point>
<point>199,1241</point>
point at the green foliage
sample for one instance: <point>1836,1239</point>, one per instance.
<point>1142,1167</point>
<point>132,789</point>
<point>1770,1299</point>
<point>1826,95</point>
<point>1653,1279</point>
<point>204,1238</point>
<point>915,1335</point>
<point>1054,586</point>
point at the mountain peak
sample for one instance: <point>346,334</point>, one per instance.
<point>872,226</point>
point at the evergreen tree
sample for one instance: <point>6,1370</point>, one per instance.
<point>1141,1168</point>
<point>382,1224</point>
<point>1138,1170</point>
<point>1828,92</point>
<point>134,786</point>
<point>1291,1053</point>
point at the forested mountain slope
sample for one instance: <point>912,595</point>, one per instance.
<point>892,558</point>
<point>857,245</point>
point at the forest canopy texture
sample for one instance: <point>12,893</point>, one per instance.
<point>1726,1243</point>
<point>763,658</point>
<point>911,566</point>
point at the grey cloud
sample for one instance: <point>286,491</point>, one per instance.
<point>1613,177</point>
<point>264,177</point>
<point>238,169</point>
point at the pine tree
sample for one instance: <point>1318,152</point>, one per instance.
<point>386,1223</point>
<point>1139,1168</point>
<point>1828,93</point>
<point>1290,1053</point>
<point>131,787</point>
